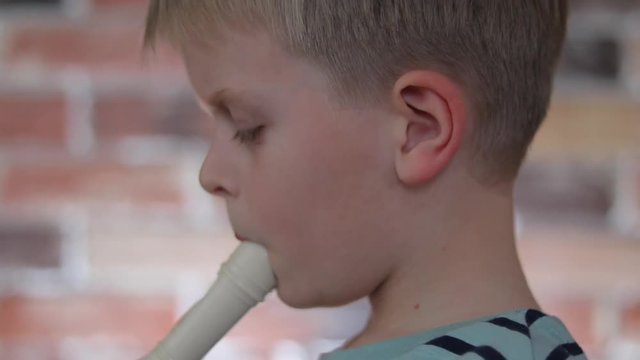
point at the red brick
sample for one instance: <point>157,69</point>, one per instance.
<point>38,119</point>
<point>630,317</point>
<point>95,45</point>
<point>122,116</point>
<point>93,183</point>
<point>146,318</point>
<point>117,117</point>
<point>577,315</point>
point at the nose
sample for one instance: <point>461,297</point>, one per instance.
<point>214,176</point>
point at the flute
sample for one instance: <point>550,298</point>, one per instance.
<point>243,281</point>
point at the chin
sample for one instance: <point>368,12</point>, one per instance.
<point>300,299</point>
<point>296,299</point>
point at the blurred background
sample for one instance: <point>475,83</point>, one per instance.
<point>106,237</point>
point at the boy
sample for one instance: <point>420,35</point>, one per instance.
<point>371,146</point>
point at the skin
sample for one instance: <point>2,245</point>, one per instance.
<point>355,201</point>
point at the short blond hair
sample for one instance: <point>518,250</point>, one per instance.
<point>502,52</point>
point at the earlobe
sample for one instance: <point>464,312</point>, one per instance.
<point>430,126</point>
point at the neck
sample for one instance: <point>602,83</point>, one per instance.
<point>473,271</point>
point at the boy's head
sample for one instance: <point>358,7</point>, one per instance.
<point>502,53</point>
<point>345,128</point>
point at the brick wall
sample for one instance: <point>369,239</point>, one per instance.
<point>106,236</point>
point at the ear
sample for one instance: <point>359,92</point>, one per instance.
<point>430,126</point>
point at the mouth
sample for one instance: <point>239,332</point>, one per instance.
<point>240,237</point>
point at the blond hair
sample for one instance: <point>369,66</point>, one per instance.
<point>502,52</point>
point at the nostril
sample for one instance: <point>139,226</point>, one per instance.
<point>220,191</point>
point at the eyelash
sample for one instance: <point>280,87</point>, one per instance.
<point>248,136</point>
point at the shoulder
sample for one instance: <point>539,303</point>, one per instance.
<point>523,335</point>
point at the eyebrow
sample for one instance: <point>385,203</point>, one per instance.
<point>225,98</point>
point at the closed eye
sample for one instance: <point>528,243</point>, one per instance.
<point>248,136</point>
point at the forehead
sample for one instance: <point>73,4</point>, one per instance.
<point>247,63</point>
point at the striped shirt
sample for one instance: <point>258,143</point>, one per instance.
<point>525,334</point>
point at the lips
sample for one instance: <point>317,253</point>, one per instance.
<point>240,237</point>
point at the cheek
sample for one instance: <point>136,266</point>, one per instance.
<point>292,194</point>
<point>314,183</point>
<point>319,210</point>
<point>281,202</point>
<point>276,196</point>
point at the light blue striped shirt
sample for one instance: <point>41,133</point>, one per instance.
<point>525,334</point>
